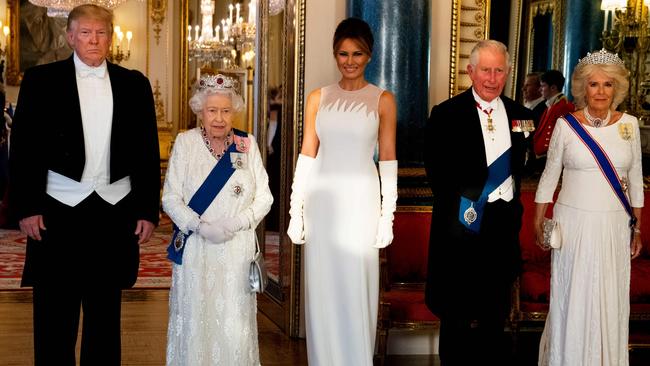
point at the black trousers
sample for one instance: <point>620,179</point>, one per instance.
<point>87,255</point>
<point>477,339</point>
<point>472,329</point>
<point>56,324</point>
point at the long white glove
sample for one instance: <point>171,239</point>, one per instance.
<point>216,231</point>
<point>296,230</point>
<point>388,175</point>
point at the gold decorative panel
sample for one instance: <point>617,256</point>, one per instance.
<point>469,24</point>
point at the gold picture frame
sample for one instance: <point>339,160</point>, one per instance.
<point>34,38</point>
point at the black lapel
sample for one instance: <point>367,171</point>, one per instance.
<point>472,131</point>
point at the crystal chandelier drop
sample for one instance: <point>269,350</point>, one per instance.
<point>276,7</point>
<point>61,8</point>
<point>230,43</point>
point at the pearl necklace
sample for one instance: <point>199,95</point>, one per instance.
<point>226,144</point>
<point>596,121</point>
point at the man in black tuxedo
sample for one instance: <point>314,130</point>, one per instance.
<point>85,183</point>
<point>474,162</point>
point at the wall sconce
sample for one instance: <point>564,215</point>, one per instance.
<point>4,44</point>
<point>117,54</point>
<point>626,32</point>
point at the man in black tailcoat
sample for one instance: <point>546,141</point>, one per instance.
<point>84,184</point>
<point>474,162</point>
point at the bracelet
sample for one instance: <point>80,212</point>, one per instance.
<point>637,230</point>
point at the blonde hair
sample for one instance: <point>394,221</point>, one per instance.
<point>91,11</point>
<point>583,72</point>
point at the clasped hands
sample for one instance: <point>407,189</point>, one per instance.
<point>221,230</point>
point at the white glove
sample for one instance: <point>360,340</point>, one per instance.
<point>388,175</point>
<point>216,231</point>
<point>235,224</point>
<point>296,229</point>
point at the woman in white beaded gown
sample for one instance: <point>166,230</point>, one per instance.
<point>212,311</point>
<point>587,323</point>
<point>345,220</point>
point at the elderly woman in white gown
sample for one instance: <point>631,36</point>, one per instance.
<point>598,217</point>
<point>216,192</point>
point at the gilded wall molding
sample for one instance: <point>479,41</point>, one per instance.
<point>513,46</point>
<point>157,10</point>
<point>469,25</point>
<point>13,57</point>
<point>159,103</point>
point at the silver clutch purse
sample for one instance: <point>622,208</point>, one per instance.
<point>257,277</point>
<point>552,235</point>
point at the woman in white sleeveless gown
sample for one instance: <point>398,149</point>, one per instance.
<point>587,322</point>
<point>336,205</point>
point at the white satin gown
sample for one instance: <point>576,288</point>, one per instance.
<point>342,209</point>
<point>587,323</point>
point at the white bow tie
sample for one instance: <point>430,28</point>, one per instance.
<point>85,71</point>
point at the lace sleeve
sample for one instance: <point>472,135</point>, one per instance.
<point>554,164</point>
<point>172,198</point>
<point>635,175</point>
<point>263,198</point>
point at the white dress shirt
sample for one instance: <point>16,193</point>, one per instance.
<point>531,104</point>
<point>496,142</point>
<point>96,103</point>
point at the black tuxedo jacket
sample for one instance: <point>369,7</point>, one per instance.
<point>48,134</point>
<point>462,264</point>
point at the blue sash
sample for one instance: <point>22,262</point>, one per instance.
<point>470,213</point>
<point>604,163</point>
<point>203,197</point>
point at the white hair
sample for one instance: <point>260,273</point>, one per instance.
<point>491,44</point>
<point>197,102</point>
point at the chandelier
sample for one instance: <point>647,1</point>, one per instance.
<point>230,43</point>
<point>626,32</point>
<point>276,7</point>
<point>61,8</point>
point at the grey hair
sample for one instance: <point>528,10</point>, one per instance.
<point>491,44</point>
<point>583,72</point>
<point>197,102</point>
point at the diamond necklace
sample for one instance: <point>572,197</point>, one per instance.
<point>226,144</point>
<point>596,121</point>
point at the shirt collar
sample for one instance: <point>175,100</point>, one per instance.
<point>533,103</point>
<point>550,101</point>
<point>494,104</point>
<point>84,71</point>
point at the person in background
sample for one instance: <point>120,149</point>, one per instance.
<point>557,105</point>
<point>534,101</point>
<point>212,311</point>
<point>474,163</point>
<point>533,98</point>
<point>274,157</point>
<point>84,182</point>
<point>337,206</point>
<point>599,219</point>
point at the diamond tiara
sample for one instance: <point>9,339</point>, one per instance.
<point>600,58</point>
<point>218,81</point>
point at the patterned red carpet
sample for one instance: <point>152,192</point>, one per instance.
<point>155,269</point>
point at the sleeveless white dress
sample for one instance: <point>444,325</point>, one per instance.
<point>342,209</point>
<point>587,322</point>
